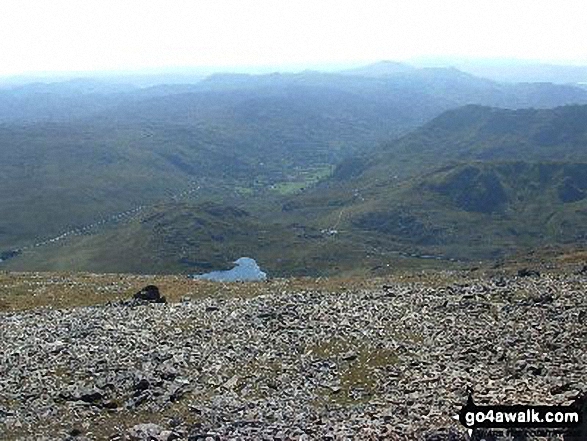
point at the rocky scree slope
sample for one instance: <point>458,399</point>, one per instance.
<point>393,362</point>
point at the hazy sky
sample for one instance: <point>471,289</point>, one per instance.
<point>81,35</point>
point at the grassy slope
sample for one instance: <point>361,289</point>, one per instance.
<point>483,134</point>
<point>425,216</point>
<point>196,238</point>
<point>477,210</point>
<point>54,176</point>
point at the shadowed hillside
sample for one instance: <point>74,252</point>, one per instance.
<point>473,183</point>
<point>497,186</point>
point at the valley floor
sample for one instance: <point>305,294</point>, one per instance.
<point>286,359</point>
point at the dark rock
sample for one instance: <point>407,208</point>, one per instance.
<point>543,299</point>
<point>136,401</point>
<point>150,293</point>
<point>175,421</point>
<point>4,412</point>
<point>501,282</point>
<point>75,432</point>
<point>176,393</point>
<point>110,405</point>
<point>92,397</point>
<point>143,384</point>
<point>212,308</point>
<point>87,395</point>
<point>525,272</point>
<point>561,388</point>
<point>580,432</point>
<point>535,370</point>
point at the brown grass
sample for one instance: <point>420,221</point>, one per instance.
<point>20,291</point>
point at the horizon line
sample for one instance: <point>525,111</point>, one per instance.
<point>441,61</point>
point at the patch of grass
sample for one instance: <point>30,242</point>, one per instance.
<point>302,180</point>
<point>359,368</point>
<point>285,188</point>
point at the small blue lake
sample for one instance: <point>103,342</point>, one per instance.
<point>246,270</point>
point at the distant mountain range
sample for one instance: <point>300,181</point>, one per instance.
<point>515,71</point>
<point>499,70</point>
<point>430,90</point>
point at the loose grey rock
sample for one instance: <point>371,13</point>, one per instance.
<point>290,364</point>
<point>147,432</point>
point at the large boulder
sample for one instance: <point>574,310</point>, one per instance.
<point>525,272</point>
<point>151,294</point>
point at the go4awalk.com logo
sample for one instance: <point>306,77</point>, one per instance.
<point>563,419</point>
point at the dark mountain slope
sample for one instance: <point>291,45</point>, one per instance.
<point>471,210</point>
<point>466,211</point>
<point>474,182</point>
<point>475,133</point>
<point>129,147</point>
<point>56,177</point>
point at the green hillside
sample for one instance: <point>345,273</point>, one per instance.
<point>196,238</point>
<point>467,212</point>
<point>78,151</point>
<point>291,149</point>
<point>475,133</point>
<point>479,210</point>
<point>475,183</point>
